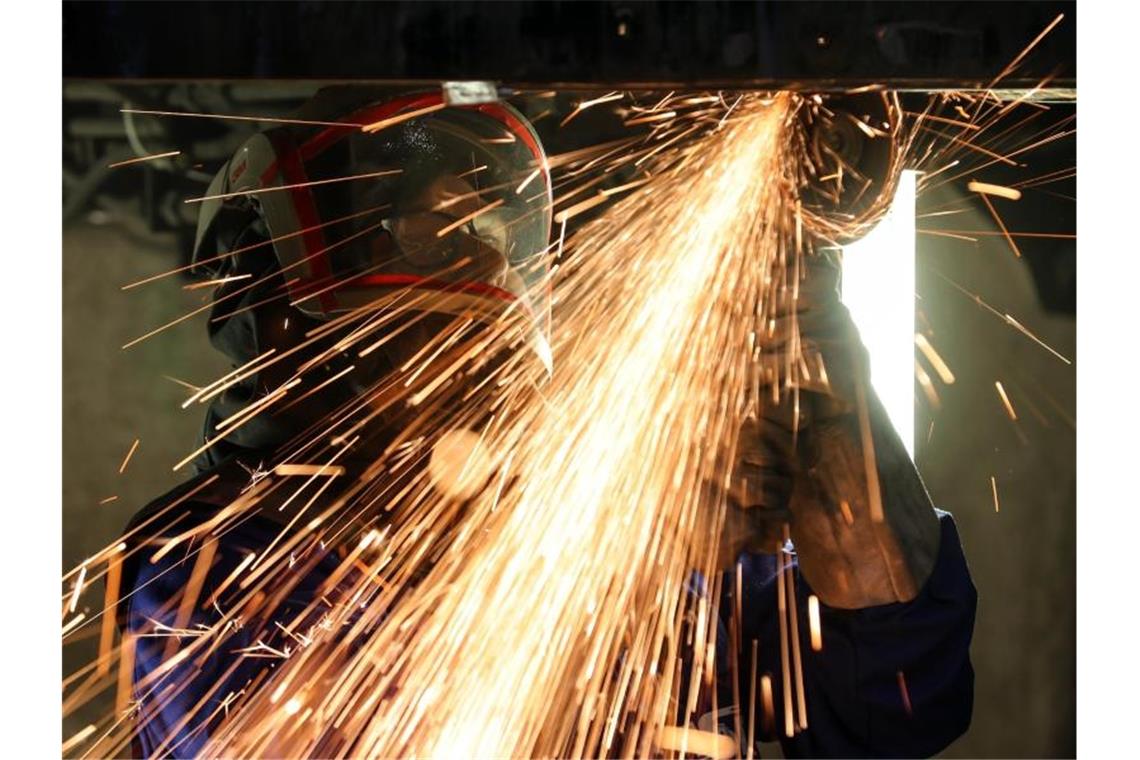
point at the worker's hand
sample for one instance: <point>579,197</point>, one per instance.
<point>863,526</point>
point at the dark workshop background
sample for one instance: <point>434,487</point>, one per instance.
<point>126,224</point>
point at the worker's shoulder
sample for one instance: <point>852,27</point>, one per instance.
<point>201,495</point>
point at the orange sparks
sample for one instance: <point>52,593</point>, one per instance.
<point>845,508</point>
<point>77,739</point>
<point>110,599</point>
<point>140,159</point>
<point>985,188</point>
<point>588,103</point>
<point>691,741</point>
<point>529,178</point>
<point>1024,331</point>
<point>935,360</point>
<point>1005,400</point>
<point>231,117</point>
<point>813,623</point>
<point>905,693</point>
<point>215,283</point>
<point>927,385</point>
<point>71,624</point>
<point>993,487</point>
<point>1021,56</point>
<point>78,589</point>
<point>465,219</point>
<point>126,673</point>
<point>275,188</point>
<point>1000,224</point>
<point>108,500</point>
<point>309,469</point>
<point>579,207</point>
<point>127,458</point>
<point>767,702</point>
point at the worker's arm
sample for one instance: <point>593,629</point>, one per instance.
<point>822,464</point>
<point>853,692</point>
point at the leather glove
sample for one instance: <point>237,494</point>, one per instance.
<point>862,523</point>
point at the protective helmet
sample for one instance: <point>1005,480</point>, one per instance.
<point>410,203</point>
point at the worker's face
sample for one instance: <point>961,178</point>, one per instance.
<point>445,233</point>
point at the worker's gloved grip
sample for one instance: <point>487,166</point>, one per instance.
<point>852,554</point>
<point>861,521</point>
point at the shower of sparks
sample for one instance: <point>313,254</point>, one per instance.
<point>127,458</point>
<point>556,591</point>
<point>615,426</point>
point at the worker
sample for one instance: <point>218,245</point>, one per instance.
<point>394,236</point>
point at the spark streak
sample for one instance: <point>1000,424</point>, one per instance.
<point>127,458</point>
<point>1005,401</point>
<point>140,159</point>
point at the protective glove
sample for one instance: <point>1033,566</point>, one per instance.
<point>863,526</point>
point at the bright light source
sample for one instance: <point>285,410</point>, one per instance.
<point>878,288</point>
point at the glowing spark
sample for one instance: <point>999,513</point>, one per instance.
<point>1021,56</point>
<point>72,623</point>
<point>140,159</point>
<point>623,188</point>
<point>692,741</point>
<point>309,469</point>
<point>294,186</point>
<point>562,216</point>
<point>813,623</point>
<point>110,599</point>
<point>845,508</point>
<point>767,702</point>
<point>77,739</point>
<point>905,693</point>
<point>588,104</point>
<point>293,706</point>
<point>183,383</point>
<point>935,360</point>
<point>215,283</point>
<point>127,458</point>
<point>927,385</point>
<point>465,219</point>
<point>993,487</point>
<point>78,589</point>
<point>108,500</point>
<point>231,117</point>
<point>1022,329</point>
<point>1005,400</point>
<point>529,178</point>
<point>986,188</point>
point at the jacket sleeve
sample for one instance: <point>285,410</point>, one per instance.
<point>889,681</point>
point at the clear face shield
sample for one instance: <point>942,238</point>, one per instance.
<point>460,226</point>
